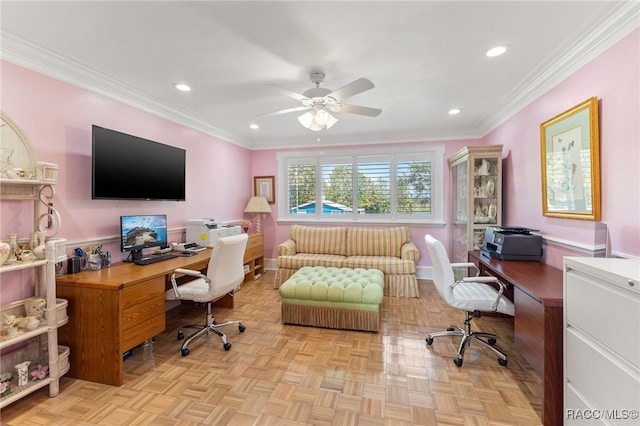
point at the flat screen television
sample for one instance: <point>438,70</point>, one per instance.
<point>138,232</point>
<point>126,167</point>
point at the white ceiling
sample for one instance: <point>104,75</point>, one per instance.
<point>424,57</point>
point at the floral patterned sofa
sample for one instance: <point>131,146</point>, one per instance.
<point>387,249</point>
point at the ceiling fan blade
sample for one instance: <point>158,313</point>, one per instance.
<point>356,109</point>
<point>351,89</point>
<point>285,111</point>
<point>290,93</point>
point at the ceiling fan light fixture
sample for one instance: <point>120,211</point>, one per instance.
<point>332,120</point>
<point>320,103</point>
<point>317,120</point>
<point>322,117</point>
<point>306,119</point>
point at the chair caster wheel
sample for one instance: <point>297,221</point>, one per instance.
<point>458,362</point>
<point>227,346</point>
<point>185,352</point>
<point>492,341</point>
<point>242,328</point>
<point>429,340</point>
<point>180,335</point>
<point>502,362</point>
<point>450,328</point>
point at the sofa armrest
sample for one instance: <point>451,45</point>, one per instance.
<point>409,251</point>
<point>287,248</point>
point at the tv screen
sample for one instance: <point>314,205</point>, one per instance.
<point>142,231</point>
<point>126,167</point>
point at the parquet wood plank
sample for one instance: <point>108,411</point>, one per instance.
<point>279,374</point>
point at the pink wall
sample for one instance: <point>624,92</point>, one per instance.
<point>57,118</point>
<point>613,77</point>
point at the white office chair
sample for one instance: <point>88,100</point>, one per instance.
<point>472,295</point>
<point>225,272</point>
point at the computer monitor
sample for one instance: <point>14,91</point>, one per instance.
<point>138,232</point>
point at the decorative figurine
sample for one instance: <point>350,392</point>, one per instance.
<point>23,372</point>
<point>40,372</point>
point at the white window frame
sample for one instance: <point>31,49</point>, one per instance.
<point>434,153</point>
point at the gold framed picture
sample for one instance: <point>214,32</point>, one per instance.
<point>570,158</point>
<point>264,186</point>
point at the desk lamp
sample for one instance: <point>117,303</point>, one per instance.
<point>258,205</point>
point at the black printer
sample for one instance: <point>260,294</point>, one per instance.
<point>512,243</point>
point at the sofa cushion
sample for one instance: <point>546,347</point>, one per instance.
<point>387,264</point>
<point>319,240</point>
<point>376,242</point>
<point>309,259</point>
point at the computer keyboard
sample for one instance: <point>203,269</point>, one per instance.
<point>155,258</point>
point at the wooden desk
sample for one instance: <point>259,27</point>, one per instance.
<point>537,296</point>
<point>115,309</point>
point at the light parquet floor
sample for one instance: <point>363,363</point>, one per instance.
<point>279,374</point>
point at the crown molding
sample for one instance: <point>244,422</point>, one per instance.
<point>52,64</point>
<point>614,27</point>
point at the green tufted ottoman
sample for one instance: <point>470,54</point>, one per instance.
<point>341,298</point>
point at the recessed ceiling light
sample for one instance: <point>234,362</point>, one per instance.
<point>254,126</point>
<point>182,87</point>
<point>496,51</point>
<point>454,111</point>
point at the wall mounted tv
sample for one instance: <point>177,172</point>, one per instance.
<point>126,167</point>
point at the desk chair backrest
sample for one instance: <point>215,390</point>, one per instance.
<point>226,265</point>
<point>443,275</point>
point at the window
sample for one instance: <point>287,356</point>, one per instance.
<point>373,185</point>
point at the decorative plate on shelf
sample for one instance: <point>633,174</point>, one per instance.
<point>491,187</point>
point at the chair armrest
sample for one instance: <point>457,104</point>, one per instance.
<point>409,251</point>
<point>481,280</point>
<point>189,272</point>
<point>467,265</point>
<point>485,280</point>
<point>287,248</point>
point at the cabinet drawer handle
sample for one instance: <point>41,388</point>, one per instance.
<point>631,283</point>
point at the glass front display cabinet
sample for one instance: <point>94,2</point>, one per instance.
<point>476,197</point>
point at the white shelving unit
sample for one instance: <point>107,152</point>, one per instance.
<point>41,342</point>
<point>39,345</point>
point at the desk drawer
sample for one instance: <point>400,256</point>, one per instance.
<point>255,240</point>
<point>253,253</point>
<point>134,294</point>
<point>143,331</point>
<point>137,314</point>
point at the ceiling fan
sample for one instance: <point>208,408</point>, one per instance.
<point>319,102</point>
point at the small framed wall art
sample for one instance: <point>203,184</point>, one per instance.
<point>264,186</point>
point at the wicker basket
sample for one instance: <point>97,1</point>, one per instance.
<point>63,359</point>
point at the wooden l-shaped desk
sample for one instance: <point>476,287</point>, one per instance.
<point>536,291</point>
<point>115,309</point>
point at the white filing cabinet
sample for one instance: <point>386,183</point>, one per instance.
<point>601,341</point>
